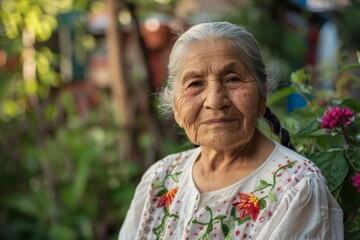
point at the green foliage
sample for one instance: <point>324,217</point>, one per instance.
<point>349,26</point>
<point>69,183</point>
<point>38,19</point>
<point>61,171</point>
<point>335,151</point>
<point>280,44</point>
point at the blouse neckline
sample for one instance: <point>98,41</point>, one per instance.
<point>197,153</point>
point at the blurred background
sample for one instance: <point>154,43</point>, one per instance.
<point>79,122</point>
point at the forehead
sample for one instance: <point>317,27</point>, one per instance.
<point>211,56</point>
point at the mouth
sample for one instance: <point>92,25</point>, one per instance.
<point>218,121</point>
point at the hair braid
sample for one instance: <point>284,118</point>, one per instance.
<point>276,128</point>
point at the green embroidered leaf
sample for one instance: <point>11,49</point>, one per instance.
<point>272,197</point>
<point>262,203</point>
<point>263,184</point>
<point>194,221</point>
<point>161,192</point>
<point>157,184</point>
<point>225,229</point>
<point>229,237</point>
<point>220,217</point>
<point>241,221</point>
<point>158,231</point>
<point>205,236</point>
<point>233,212</point>
<point>175,177</point>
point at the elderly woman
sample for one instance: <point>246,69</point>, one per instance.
<point>238,184</point>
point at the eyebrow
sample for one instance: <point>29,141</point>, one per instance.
<point>230,67</point>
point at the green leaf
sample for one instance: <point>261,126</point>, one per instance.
<point>206,236</point>
<point>351,103</point>
<point>280,95</point>
<point>301,80</point>
<point>272,196</point>
<point>262,203</point>
<point>263,184</point>
<point>241,221</point>
<point>297,76</point>
<point>175,177</point>
<point>308,129</point>
<point>81,178</point>
<point>353,156</point>
<point>229,237</point>
<point>233,212</point>
<point>349,67</point>
<point>157,184</point>
<point>334,167</point>
<point>220,217</point>
<point>161,192</point>
<point>225,229</point>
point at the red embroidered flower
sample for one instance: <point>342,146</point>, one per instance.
<point>167,198</point>
<point>337,117</point>
<point>249,205</point>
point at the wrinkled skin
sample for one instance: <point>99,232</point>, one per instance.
<point>217,101</point>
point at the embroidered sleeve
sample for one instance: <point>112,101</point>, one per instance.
<point>307,211</point>
<point>133,216</point>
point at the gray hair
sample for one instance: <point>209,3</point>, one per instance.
<point>238,37</point>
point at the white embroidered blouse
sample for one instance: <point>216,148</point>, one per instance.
<point>285,198</point>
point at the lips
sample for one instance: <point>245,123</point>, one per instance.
<point>219,121</point>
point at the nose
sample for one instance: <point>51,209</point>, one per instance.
<point>216,98</point>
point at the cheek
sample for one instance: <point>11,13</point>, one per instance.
<point>186,109</point>
<point>249,102</point>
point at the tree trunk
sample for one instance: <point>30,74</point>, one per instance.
<point>119,86</point>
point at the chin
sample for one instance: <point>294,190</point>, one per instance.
<point>222,141</point>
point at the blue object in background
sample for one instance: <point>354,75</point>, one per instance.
<point>295,100</point>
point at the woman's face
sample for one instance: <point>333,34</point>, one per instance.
<point>217,101</point>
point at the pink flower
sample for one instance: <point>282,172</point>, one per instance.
<point>356,181</point>
<point>337,117</point>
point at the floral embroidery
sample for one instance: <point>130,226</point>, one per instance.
<point>160,229</point>
<point>249,205</point>
<point>263,184</point>
<point>209,225</point>
<point>166,199</point>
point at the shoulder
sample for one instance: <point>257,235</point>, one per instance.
<point>290,171</point>
<point>163,166</point>
<point>297,166</point>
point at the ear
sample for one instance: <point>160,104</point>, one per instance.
<point>262,106</point>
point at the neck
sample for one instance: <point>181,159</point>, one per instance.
<point>212,160</point>
<point>216,169</point>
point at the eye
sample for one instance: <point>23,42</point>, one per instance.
<point>195,84</point>
<point>232,79</point>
